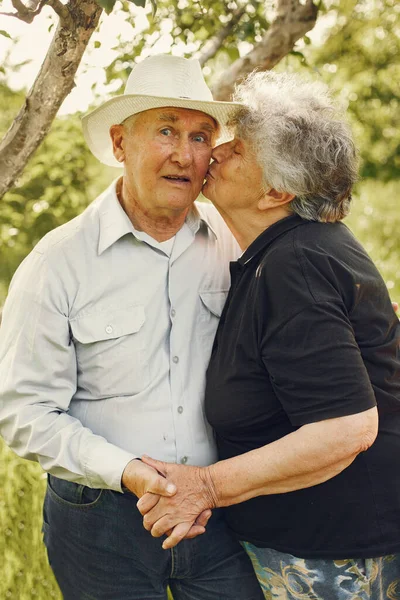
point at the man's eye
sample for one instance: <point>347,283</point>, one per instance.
<point>200,138</point>
<point>166,131</point>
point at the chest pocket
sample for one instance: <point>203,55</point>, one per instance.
<point>110,351</point>
<point>211,306</point>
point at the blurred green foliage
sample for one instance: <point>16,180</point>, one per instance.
<point>375,220</point>
<point>58,183</point>
<point>25,574</point>
<point>190,24</point>
<point>360,60</point>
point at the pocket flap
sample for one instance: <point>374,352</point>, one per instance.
<point>214,301</point>
<point>108,325</point>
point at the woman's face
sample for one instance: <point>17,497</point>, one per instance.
<point>234,178</point>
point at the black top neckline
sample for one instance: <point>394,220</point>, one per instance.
<point>269,235</point>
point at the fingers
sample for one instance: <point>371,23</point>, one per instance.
<point>160,486</point>
<point>160,524</point>
<point>156,464</point>
<point>177,535</point>
<point>199,526</point>
<point>163,514</point>
<point>203,518</point>
<point>395,306</point>
<point>193,532</point>
<point>147,502</point>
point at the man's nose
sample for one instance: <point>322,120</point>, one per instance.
<point>183,152</point>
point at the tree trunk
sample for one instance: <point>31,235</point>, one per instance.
<point>53,83</point>
<point>293,20</point>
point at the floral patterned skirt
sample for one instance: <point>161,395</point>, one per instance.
<point>286,577</point>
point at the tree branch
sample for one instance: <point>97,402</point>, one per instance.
<point>53,83</point>
<point>60,9</point>
<point>212,46</point>
<point>26,13</point>
<point>293,20</point>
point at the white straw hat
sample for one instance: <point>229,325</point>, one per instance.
<point>156,82</point>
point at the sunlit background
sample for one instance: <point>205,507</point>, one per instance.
<point>354,48</point>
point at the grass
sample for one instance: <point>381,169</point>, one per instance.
<point>25,571</point>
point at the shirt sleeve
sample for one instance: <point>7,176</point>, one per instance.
<point>315,365</point>
<point>38,378</point>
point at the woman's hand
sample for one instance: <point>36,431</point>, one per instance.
<point>194,496</point>
<point>149,500</point>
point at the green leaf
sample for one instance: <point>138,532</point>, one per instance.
<point>97,44</point>
<point>7,35</point>
<point>108,5</point>
<point>307,40</point>
<point>153,7</point>
<point>141,3</point>
<point>299,55</point>
<point>233,53</point>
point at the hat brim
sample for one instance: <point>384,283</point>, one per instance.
<point>96,125</point>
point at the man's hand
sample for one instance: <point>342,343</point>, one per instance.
<point>180,511</point>
<point>140,479</point>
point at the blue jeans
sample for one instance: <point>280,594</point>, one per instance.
<point>98,549</point>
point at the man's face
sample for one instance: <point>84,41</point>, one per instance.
<point>166,153</point>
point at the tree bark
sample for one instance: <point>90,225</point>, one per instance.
<point>78,20</point>
<point>293,20</point>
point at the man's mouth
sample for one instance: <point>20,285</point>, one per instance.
<point>177,178</point>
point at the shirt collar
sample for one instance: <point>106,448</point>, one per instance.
<point>196,219</point>
<point>270,234</point>
<point>114,223</point>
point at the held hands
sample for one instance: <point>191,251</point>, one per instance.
<point>145,481</point>
<point>140,479</point>
<point>179,514</point>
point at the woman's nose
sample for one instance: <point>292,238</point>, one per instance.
<point>220,152</point>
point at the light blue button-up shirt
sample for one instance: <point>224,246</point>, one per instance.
<point>105,341</point>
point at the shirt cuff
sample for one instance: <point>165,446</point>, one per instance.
<point>105,463</point>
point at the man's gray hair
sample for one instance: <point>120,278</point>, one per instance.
<point>303,145</point>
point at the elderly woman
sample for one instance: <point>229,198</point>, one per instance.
<point>305,359</point>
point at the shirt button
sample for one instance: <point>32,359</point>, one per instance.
<point>180,409</point>
<point>184,460</point>
<point>109,329</point>
<point>175,359</point>
<point>173,312</point>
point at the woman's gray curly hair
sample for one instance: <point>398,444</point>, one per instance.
<point>303,145</point>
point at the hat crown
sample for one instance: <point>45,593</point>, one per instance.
<point>168,76</point>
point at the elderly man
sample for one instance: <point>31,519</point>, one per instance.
<point>105,340</point>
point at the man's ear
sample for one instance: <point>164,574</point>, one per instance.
<point>274,199</point>
<point>117,138</point>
